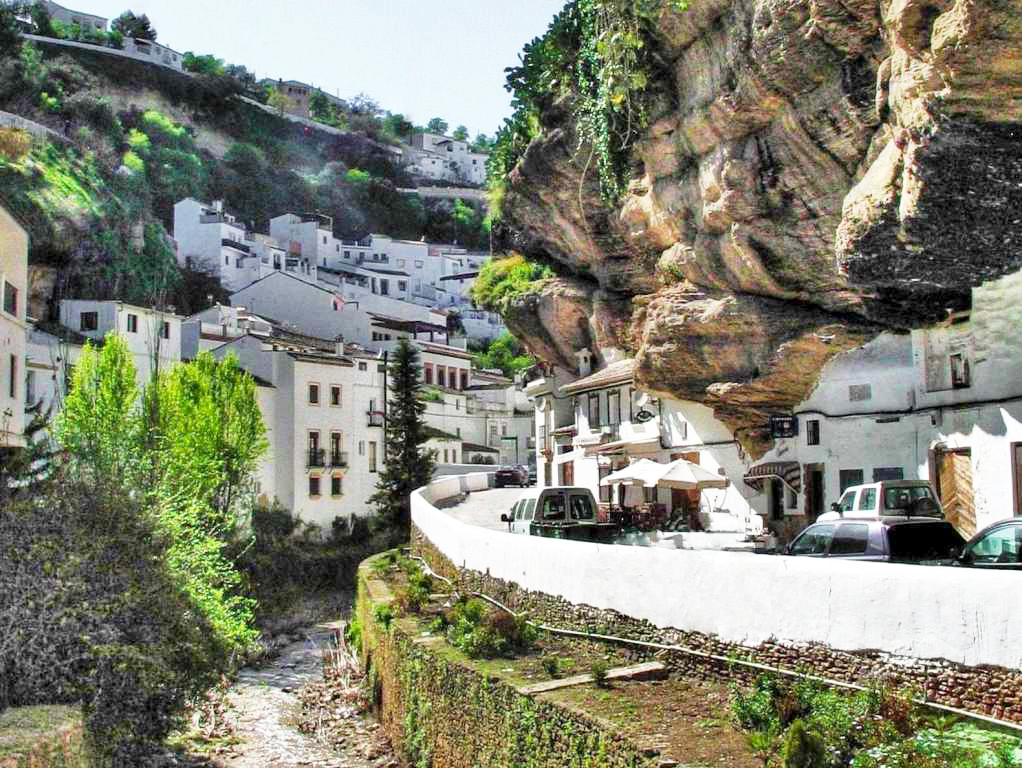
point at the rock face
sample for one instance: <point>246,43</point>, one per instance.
<point>819,171</point>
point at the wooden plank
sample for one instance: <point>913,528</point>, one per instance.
<point>649,668</point>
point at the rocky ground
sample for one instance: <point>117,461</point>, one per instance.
<point>287,713</point>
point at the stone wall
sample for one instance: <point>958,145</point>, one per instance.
<point>989,690</point>
<point>437,709</point>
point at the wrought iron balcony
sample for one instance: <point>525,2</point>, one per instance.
<point>338,459</point>
<point>375,418</point>
<point>316,457</point>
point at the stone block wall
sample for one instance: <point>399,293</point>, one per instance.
<point>987,690</point>
<point>437,709</point>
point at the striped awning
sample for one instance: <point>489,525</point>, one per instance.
<point>788,472</point>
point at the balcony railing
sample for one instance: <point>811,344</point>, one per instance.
<point>316,457</point>
<point>374,418</point>
<point>338,459</point>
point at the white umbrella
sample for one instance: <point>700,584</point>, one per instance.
<point>687,476</point>
<point>643,472</point>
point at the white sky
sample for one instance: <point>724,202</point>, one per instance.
<point>424,59</point>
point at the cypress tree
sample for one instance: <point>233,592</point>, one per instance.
<point>408,465</point>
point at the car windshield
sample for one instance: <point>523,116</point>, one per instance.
<point>923,541</point>
<point>904,497</point>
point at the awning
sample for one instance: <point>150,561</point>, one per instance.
<point>624,446</point>
<point>788,472</point>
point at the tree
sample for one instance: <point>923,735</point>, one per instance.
<point>275,99</point>
<point>408,466</point>
<point>437,125</point>
<point>398,125</point>
<point>460,133</point>
<point>10,39</point>
<point>202,65</point>
<point>506,354</point>
<point>364,104</point>
<point>130,25</point>
<point>42,22</point>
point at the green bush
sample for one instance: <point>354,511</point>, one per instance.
<point>501,281</point>
<point>598,669</point>
<point>552,666</point>
<point>483,633</point>
<point>272,521</point>
<point>803,748</point>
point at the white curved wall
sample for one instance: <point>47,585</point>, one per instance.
<point>966,616</point>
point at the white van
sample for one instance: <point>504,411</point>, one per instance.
<point>886,498</point>
<point>559,504</point>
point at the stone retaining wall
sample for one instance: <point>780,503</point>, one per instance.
<point>989,690</point>
<point>437,709</point>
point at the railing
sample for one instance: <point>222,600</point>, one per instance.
<point>338,459</point>
<point>236,245</point>
<point>374,418</point>
<point>316,458</point>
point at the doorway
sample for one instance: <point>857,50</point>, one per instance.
<point>685,504</point>
<point>568,473</point>
<point>816,497</point>
<point>954,486</point>
<point>776,500</point>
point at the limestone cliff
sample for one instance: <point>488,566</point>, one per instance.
<point>818,170</point>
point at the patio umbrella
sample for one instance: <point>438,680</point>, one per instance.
<point>687,476</point>
<point>643,472</point>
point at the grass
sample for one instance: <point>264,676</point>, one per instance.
<point>23,728</point>
<point>501,281</point>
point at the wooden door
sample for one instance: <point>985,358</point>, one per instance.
<point>686,503</point>
<point>954,476</point>
<point>568,473</point>
<point>815,494</point>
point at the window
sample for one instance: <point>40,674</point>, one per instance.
<point>849,477</point>
<point>581,507</point>
<point>165,330</point>
<point>10,299</point>
<point>1000,546</point>
<point>372,456</point>
<point>418,264</point>
<point>313,486</point>
<point>903,498</point>
<point>13,384</point>
<point>335,485</point>
<point>428,373</point>
<point>88,321</point>
<point>868,499</point>
<point>400,263</point>
<point>594,410</point>
<point>813,432</point>
<point>30,388</point>
<point>814,541</point>
<point>847,503</point>
<point>361,447</point>
<point>457,431</point>
<point>553,507</point>
<point>324,239</point>
<point>850,540</point>
<point>614,407</point>
<point>888,473</point>
<point>335,448</point>
<point>503,430</point>
<point>445,455</point>
<point>132,323</point>
<point>402,285</point>
<point>347,254</point>
<point>384,287</point>
<point>314,394</point>
<point>464,379</point>
<point>454,455</point>
<point>362,367</point>
<point>335,395</point>
<point>441,376</point>
<point>960,373</point>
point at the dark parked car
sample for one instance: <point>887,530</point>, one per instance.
<point>511,476</point>
<point>998,546</point>
<point>890,539</point>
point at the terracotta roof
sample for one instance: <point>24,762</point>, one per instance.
<point>616,373</point>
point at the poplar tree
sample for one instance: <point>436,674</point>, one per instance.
<point>408,465</point>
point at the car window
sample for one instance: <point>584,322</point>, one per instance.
<point>1001,545</point>
<point>581,507</point>
<point>553,507</point>
<point>903,498</point>
<point>868,499</point>
<point>847,503</point>
<point>850,539</point>
<point>923,541</point>
<point>813,541</point>
<point>530,507</point>
<point>517,509</point>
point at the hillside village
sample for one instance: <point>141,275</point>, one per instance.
<point>678,425</point>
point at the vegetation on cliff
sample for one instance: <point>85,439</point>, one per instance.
<point>596,53</point>
<point>501,281</point>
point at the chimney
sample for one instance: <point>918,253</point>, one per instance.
<point>585,362</point>
<point>339,346</point>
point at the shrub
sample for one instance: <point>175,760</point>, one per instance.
<point>383,613</point>
<point>501,281</point>
<point>803,748</point>
<point>552,666</point>
<point>482,633</point>
<point>14,143</point>
<point>273,521</point>
<point>598,669</point>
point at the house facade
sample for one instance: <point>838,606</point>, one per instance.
<point>323,412</point>
<point>13,329</point>
<point>153,336</point>
<point>443,158</point>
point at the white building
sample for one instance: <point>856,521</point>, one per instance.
<point>324,413</point>
<point>53,352</point>
<point>211,240</point>
<point>153,336</point>
<point>205,331</point>
<point>13,328</point>
<point>445,159</point>
<point>943,403</point>
<point>87,21</point>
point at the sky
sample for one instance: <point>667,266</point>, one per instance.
<point>423,59</point>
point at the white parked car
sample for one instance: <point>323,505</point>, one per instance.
<point>887,498</point>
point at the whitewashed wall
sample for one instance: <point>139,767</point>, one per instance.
<point>966,616</point>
